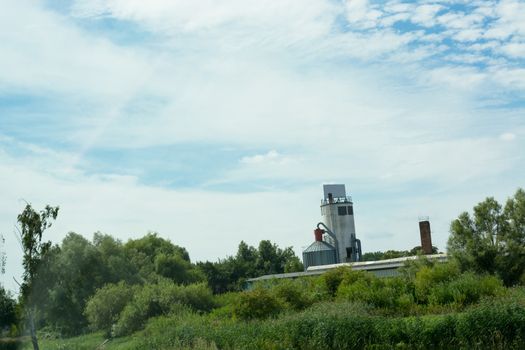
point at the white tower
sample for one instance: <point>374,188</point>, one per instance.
<point>337,210</point>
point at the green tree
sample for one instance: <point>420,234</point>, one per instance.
<point>8,316</point>
<point>32,226</point>
<point>117,266</point>
<point>231,273</point>
<point>73,275</point>
<point>492,239</point>
<point>141,253</point>
<point>104,307</point>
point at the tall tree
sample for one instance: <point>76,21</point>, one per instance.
<point>32,226</point>
<point>492,239</point>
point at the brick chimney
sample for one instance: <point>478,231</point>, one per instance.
<point>426,238</point>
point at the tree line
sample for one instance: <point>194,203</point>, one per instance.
<point>60,279</point>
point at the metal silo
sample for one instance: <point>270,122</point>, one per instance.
<point>319,252</point>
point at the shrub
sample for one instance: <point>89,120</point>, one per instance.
<point>467,289</point>
<point>162,298</point>
<point>427,278</point>
<point>104,307</point>
<point>390,294</point>
<point>333,278</point>
<point>259,303</point>
<point>292,294</point>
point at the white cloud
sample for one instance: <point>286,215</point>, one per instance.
<point>359,13</point>
<point>272,156</point>
<point>508,136</point>
<point>509,14</point>
<point>425,15</point>
<point>462,77</point>
<point>514,50</point>
<point>45,53</point>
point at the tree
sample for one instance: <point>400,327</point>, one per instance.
<point>230,274</point>
<point>104,307</point>
<point>141,253</point>
<point>7,310</point>
<point>392,254</point>
<point>32,226</point>
<point>72,275</point>
<point>492,239</point>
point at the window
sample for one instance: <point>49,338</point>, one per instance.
<point>341,210</point>
<point>350,210</point>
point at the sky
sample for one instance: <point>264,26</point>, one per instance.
<point>212,122</point>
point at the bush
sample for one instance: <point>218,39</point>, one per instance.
<point>391,294</point>
<point>292,294</point>
<point>497,323</point>
<point>162,298</point>
<point>427,278</point>
<point>259,303</point>
<point>467,289</point>
<point>104,307</point>
<point>333,278</point>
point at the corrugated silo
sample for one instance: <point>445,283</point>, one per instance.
<point>319,252</point>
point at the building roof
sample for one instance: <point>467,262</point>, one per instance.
<point>387,264</point>
<point>378,264</point>
<point>318,246</point>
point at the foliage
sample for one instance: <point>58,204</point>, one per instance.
<point>492,240</point>
<point>467,289</point>
<point>258,303</point>
<point>76,269</point>
<point>427,278</point>
<point>230,274</point>
<point>161,298</point>
<point>391,294</point>
<point>104,307</point>
<point>8,315</point>
<point>332,279</point>
<point>392,254</point>
<point>293,294</point>
<point>495,323</point>
<point>31,228</point>
<point>143,252</point>
<point>74,272</point>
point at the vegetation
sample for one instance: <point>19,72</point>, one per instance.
<point>492,240</point>
<point>146,293</point>
<point>392,254</point>
<point>32,226</point>
<point>230,274</point>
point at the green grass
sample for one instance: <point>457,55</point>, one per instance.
<point>84,342</point>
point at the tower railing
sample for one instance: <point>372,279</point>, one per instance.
<point>347,199</point>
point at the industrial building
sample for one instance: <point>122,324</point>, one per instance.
<point>336,244</point>
<point>335,239</point>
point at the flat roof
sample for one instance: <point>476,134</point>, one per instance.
<point>386,264</point>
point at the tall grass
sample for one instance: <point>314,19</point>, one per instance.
<point>492,324</point>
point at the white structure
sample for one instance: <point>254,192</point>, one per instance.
<point>338,214</point>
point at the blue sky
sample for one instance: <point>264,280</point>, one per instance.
<point>216,121</point>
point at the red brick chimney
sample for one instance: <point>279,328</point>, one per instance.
<point>426,238</point>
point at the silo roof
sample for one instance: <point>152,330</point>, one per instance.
<point>318,246</point>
